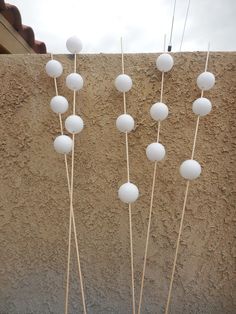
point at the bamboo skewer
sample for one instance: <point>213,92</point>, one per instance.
<point>184,205</point>
<point>72,218</point>
<point>128,179</point>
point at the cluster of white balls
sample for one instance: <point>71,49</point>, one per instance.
<point>59,104</point>
<point>128,192</point>
<point>191,169</point>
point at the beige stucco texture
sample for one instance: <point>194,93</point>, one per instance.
<point>34,201</point>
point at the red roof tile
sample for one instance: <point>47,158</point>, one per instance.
<point>13,16</point>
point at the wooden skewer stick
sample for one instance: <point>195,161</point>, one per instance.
<point>185,23</point>
<point>151,201</point>
<point>72,214</point>
<point>128,179</point>
<point>72,218</point>
<point>184,205</point>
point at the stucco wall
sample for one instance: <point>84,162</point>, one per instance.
<point>34,206</point>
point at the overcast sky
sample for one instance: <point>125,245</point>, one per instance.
<point>142,24</point>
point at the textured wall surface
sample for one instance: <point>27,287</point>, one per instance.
<point>34,205</point>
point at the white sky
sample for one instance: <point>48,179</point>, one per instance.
<point>142,23</point>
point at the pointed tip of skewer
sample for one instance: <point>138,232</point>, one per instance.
<point>164,47</point>
<point>207,57</point>
<point>208,46</point>
<point>122,55</point>
<point>121,43</point>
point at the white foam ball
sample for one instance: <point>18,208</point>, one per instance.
<point>63,144</point>
<point>74,124</point>
<point>74,44</point>
<point>164,62</point>
<point>123,83</point>
<point>128,193</point>
<point>59,104</point>
<point>206,80</point>
<point>54,68</point>
<point>74,81</point>
<point>202,106</point>
<point>125,123</point>
<point>159,111</point>
<point>190,169</point>
<point>155,151</point>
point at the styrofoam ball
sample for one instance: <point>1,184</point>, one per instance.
<point>63,144</point>
<point>190,169</point>
<point>59,104</point>
<point>206,80</point>
<point>128,193</point>
<point>155,151</point>
<point>125,123</point>
<point>123,83</point>
<point>164,62</point>
<point>202,106</point>
<point>74,44</point>
<point>54,68</point>
<point>74,81</point>
<point>74,124</point>
<point>159,111</point>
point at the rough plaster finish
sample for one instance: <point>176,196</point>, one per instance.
<point>34,202</point>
